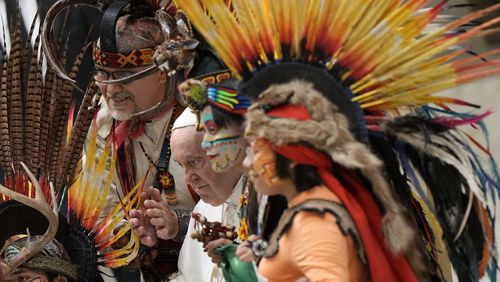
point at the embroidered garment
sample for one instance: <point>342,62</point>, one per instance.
<point>152,141</point>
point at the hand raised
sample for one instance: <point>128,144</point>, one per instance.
<point>163,218</point>
<point>140,222</point>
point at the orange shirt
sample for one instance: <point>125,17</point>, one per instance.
<point>314,247</point>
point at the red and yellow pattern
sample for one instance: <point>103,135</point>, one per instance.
<point>388,47</point>
<point>87,196</point>
<point>132,59</point>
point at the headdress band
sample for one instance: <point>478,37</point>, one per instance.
<point>132,59</point>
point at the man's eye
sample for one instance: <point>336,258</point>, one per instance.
<point>26,278</point>
<point>99,74</point>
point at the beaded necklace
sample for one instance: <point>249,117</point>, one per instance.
<point>243,210</point>
<point>164,180</point>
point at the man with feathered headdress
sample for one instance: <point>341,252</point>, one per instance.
<point>145,49</point>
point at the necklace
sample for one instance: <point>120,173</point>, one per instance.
<point>147,155</point>
<point>164,180</point>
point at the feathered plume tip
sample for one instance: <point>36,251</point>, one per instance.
<point>194,94</point>
<point>86,198</point>
<point>228,99</point>
<point>390,57</point>
<point>198,93</point>
<point>456,183</point>
<point>21,184</point>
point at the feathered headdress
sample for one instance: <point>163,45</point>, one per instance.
<point>37,128</point>
<point>338,75</point>
<point>90,241</point>
<point>218,90</point>
<point>171,49</point>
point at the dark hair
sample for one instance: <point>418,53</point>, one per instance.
<point>224,119</point>
<point>305,177</point>
<point>275,207</point>
<point>51,276</point>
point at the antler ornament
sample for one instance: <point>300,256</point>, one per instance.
<point>39,203</point>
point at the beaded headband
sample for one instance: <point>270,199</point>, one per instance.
<point>132,59</point>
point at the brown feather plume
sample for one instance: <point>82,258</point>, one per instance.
<point>5,156</point>
<point>16,120</point>
<point>31,99</point>
<point>80,128</point>
<point>60,100</point>
<point>64,102</point>
<point>34,111</point>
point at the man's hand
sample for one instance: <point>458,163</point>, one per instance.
<point>141,223</point>
<point>163,218</point>
<point>211,247</point>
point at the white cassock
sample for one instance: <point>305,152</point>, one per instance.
<point>194,264</point>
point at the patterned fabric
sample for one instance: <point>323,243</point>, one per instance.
<point>132,59</point>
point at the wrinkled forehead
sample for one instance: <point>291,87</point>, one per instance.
<point>186,141</point>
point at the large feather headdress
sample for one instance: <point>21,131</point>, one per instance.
<point>41,144</point>
<point>355,66</point>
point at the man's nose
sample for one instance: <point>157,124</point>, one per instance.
<point>247,162</point>
<point>190,177</point>
<point>205,143</point>
<point>113,88</point>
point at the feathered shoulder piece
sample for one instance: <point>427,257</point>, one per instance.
<point>89,240</point>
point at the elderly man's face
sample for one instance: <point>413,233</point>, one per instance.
<point>124,100</point>
<point>213,188</point>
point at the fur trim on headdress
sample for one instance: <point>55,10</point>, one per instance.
<point>328,130</point>
<point>193,94</point>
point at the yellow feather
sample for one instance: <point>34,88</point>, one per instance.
<point>381,44</point>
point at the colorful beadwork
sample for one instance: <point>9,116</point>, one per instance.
<point>132,59</point>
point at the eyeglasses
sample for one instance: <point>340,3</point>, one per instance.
<point>122,77</point>
<point>102,75</point>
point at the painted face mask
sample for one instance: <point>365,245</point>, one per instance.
<point>225,146</point>
<point>261,165</point>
